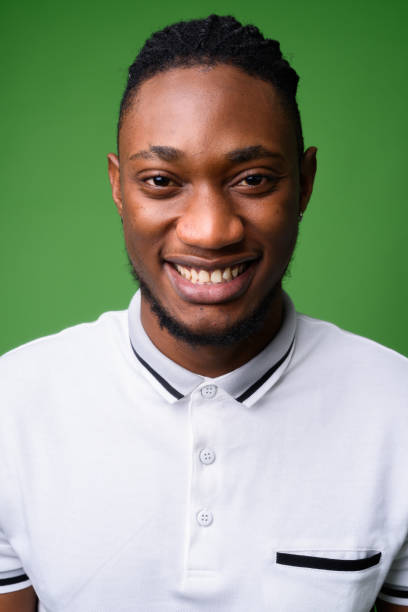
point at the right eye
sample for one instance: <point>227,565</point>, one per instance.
<point>158,181</point>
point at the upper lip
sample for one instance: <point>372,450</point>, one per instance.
<point>201,263</point>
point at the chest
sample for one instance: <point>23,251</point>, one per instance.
<point>214,509</point>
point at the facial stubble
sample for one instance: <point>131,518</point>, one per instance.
<point>236,333</point>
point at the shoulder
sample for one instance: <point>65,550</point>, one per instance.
<point>75,348</point>
<point>343,346</point>
<point>351,363</point>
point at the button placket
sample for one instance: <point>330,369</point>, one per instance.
<point>202,546</point>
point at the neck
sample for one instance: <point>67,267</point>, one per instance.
<point>212,360</point>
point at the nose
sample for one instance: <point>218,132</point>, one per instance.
<point>210,221</point>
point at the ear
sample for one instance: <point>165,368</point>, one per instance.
<point>307,175</point>
<point>114,177</point>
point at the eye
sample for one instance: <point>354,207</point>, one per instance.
<point>257,183</point>
<point>159,181</point>
<point>253,180</point>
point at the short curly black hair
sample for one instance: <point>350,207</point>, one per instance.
<point>211,41</point>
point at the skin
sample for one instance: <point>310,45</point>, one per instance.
<point>208,214</point>
<point>384,606</point>
<point>19,601</point>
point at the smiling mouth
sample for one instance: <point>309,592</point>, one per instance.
<point>211,277</point>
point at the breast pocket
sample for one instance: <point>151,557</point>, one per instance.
<point>323,581</point>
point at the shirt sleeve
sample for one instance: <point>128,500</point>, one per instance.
<point>12,575</point>
<point>395,587</point>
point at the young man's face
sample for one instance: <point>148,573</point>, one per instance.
<point>210,190</point>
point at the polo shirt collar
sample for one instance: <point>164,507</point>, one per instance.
<point>246,384</point>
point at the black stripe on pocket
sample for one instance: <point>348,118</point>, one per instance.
<point>339,565</point>
<point>394,592</point>
<point>13,580</point>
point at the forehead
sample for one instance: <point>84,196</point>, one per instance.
<point>202,108</point>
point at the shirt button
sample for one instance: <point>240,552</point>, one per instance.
<point>207,456</point>
<point>208,391</point>
<point>204,518</point>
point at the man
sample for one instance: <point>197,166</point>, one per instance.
<point>209,449</point>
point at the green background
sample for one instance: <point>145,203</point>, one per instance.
<point>63,69</point>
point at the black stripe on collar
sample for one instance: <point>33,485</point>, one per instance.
<point>241,398</point>
<point>255,386</point>
<point>159,378</point>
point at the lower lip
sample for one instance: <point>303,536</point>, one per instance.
<point>209,293</point>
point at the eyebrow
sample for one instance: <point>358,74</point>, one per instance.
<point>167,154</point>
<point>250,153</point>
<point>238,156</point>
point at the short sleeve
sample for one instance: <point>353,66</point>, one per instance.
<point>395,587</point>
<point>12,575</point>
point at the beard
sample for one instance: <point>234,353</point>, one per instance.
<point>236,333</point>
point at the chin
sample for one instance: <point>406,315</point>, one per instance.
<point>209,335</point>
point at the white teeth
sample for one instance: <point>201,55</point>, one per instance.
<point>204,276</point>
<point>185,272</point>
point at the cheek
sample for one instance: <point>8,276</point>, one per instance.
<point>277,222</point>
<point>143,225</point>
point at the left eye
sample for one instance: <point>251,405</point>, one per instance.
<point>253,180</point>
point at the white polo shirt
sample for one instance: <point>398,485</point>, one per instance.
<point>128,483</point>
